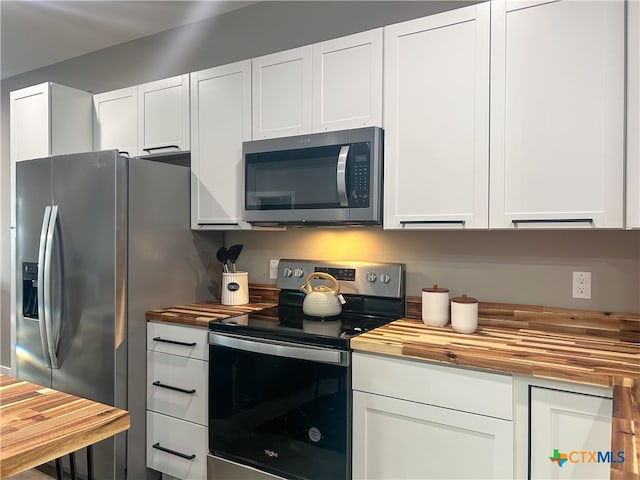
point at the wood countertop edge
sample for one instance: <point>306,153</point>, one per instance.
<point>44,451</point>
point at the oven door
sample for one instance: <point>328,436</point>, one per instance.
<point>281,408</point>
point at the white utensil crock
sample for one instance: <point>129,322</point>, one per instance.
<point>235,288</point>
<point>435,306</point>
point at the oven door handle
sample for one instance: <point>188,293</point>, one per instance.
<point>281,349</point>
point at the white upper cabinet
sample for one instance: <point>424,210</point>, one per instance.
<point>557,114</point>
<point>331,85</point>
<point>436,120</point>
<point>282,93</point>
<point>163,115</point>
<point>633,114</point>
<point>116,120</point>
<point>347,82</point>
<point>49,119</point>
<point>221,121</point>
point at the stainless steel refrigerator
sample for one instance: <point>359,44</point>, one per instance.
<point>100,239</point>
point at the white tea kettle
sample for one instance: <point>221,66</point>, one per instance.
<point>321,301</point>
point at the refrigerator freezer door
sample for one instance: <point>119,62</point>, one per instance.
<point>89,257</point>
<point>33,200</point>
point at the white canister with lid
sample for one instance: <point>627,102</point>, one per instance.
<point>464,314</point>
<point>435,306</point>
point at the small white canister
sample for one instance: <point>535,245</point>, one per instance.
<point>464,314</point>
<point>435,306</point>
<point>235,288</point>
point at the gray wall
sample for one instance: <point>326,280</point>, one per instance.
<point>530,267</point>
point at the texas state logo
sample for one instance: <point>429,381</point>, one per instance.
<point>559,458</point>
<point>583,456</point>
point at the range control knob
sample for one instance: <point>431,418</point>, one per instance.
<point>287,272</point>
<point>371,277</point>
<point>298,272</point>
<point>385,278</point>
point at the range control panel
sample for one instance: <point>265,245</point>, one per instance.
<point>361,278</point>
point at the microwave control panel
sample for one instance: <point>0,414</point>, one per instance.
<point>360,181</point>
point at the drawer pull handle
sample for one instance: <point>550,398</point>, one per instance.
<point>174,342</point>
<point>160,147</point>
<point>173,452</point>
<point>432,222</point>
<point>553,220</point>
<point>177,389</point>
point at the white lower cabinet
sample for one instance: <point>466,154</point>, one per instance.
<point>561,423</point>
<point>398,439</point>
<point>177,396</point>
<point>417,420</point>
<point>176,447</point>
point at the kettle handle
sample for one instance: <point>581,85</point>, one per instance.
<point>336,286</point>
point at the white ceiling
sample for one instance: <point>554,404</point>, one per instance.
<point>37,33</point>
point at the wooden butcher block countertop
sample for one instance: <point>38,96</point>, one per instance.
<point>39,424</point>
<point>587,359</point>
<point>200,314</point>
<point>588,347</point>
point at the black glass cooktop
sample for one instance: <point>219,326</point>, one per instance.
<point>359,314</point>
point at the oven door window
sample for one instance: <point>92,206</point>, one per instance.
<point>292,179</point>
<point>286,416</point>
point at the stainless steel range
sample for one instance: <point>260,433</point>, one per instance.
<point>280,387</point>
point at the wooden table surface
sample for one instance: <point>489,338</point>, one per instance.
<point>39,424</point>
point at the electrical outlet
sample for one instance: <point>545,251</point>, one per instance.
<point>581,284</point>
<point>273,269</point>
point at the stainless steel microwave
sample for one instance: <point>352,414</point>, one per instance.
<point>316,179</point>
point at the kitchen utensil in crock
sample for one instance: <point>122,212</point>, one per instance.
<point>321,301</point>
<point>223,255</point>
<point>233,254</point>
<point>464,314</point>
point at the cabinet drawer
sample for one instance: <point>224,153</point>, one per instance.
<point>182,438</point>
<point>178,340</point>
<point>456,388</point>
<point>177,386</point>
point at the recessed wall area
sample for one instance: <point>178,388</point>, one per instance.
<point>532,267</point>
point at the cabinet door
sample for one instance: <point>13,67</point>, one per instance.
<point>398,439</point>
<point>116,120</point>
<point>564,425</point>
<point>347,82</point>
<point>163,109</point>
<point>282,93</point>
<point>436,104</point>
<point>176,447</point>
<point>633,114</point>
<point>221,121</point>
<point>178,386</point>
<point>557,111</point>
<point>30,122</point>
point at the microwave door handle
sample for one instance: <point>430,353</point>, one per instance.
<point>341,171</point>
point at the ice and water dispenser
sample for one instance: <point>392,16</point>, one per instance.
<point>30,290</point>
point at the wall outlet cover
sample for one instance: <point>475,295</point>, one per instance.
<point>273,269</point>
<point>582,285</point>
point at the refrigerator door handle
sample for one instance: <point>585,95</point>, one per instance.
<point>41,282</point>
<point>47,287</point>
